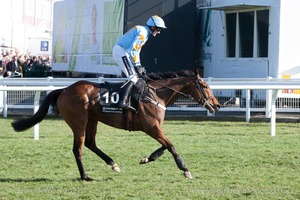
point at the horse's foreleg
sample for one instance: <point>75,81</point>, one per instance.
<point>179,162</point>
<point>166,144</point>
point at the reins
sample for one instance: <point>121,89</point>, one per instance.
<point>164,85</point>
<point>202,101</point>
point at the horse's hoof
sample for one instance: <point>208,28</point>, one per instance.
<point>144,160</point>
<point>187,174</point>
<point>86,178</point>
<point>116,168</point>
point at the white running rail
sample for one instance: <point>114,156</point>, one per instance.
<point>270,85</point>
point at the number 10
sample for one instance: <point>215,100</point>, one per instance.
<point>114,98</point>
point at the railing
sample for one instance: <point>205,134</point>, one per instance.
<point>35,89</point>
<point>20,93</point>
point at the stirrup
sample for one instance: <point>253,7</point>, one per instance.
<point>127,107</point>
<point>130,108</point>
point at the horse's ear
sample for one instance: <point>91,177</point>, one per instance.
<point>196,72</point>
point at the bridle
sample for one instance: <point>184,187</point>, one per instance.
<point>204,100</point>
<point>201,101</point>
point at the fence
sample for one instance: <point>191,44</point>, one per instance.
<point>244,95</point>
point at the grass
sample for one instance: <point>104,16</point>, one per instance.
<point>228,160</point>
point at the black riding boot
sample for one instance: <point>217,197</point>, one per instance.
<point>124,99</point>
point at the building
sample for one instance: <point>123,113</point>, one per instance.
<point>23,22</point>
<point>251,39</point>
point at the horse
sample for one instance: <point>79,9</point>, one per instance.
<point>78,104</point>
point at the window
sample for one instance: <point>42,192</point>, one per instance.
<point>230,36</point>
<point>246,24</point>
<point>247,34</point>
<point>262,33</point>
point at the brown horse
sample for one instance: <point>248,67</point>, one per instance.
<point>79,106</point>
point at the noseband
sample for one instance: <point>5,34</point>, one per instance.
<point>203,100</point>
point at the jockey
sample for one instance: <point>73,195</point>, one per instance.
<point>126,53</point>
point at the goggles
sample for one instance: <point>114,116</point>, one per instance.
<point>158,29</point>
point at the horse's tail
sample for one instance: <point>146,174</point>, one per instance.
<point>50,99</point>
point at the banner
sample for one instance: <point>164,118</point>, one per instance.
<point>84,33</point>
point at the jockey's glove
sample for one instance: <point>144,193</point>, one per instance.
<point>141,71</point>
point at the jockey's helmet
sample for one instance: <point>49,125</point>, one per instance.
<point>156,21</point>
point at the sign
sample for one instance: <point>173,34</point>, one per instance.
<point>84,34</point>
<point>44,45</point>
<point>289,91</point>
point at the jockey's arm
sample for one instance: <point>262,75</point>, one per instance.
<point>135,49</point>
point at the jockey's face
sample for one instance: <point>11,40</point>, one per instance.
<point>155,31</point>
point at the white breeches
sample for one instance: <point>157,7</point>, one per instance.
<point>121,57</point>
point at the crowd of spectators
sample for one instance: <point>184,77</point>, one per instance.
<point>20,65</point>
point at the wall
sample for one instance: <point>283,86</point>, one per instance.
<point>175,47</point>
<point>40,46</point>
<point>289,43</point>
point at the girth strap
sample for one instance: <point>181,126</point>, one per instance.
<point>129,121</point>
<point>155,103</point>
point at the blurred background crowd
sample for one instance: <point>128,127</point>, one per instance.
<point>13,64</point>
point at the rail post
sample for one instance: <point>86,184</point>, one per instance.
<point>248,98</point>
<point>273,113</point>
<point>269,94</point>
<point>5,104</point>
<point>35,109</point>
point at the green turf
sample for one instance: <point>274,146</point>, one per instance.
<point>228,160</point>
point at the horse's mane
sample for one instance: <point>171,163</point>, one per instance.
<point>166,75</point>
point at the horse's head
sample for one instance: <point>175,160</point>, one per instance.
<point>204,95</point>
<point>170,85</point>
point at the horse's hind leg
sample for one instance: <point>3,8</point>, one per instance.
<point>90,142</point>
<point>155,155</point>
<point>77,151</point>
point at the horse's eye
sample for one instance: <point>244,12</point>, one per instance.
<point>203,84</point>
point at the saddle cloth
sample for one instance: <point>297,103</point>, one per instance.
<point>110,94</point>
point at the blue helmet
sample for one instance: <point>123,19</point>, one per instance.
<point>156,21</point>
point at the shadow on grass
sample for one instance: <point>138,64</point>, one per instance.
<point>21,137</point>
<point>39,180</point>
<point>20,180</point>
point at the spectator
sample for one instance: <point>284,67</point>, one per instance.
<point>14,66</point>
<point>1,64</point>
<point>6,60</point>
